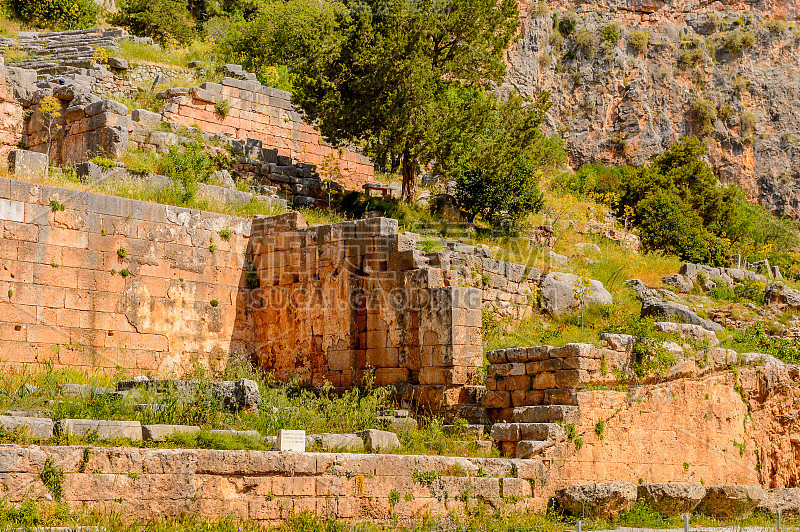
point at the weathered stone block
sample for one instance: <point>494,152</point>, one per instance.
<point>25,164</point>
<point>163,432</point>
<point>36,426</point>
<point>379,440</point>
<point>103,429</point>
<point>106,106</point>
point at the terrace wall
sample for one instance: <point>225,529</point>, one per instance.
<point>266,114</point>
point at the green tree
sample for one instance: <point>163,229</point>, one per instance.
<point>166,21</point>
<point>66,14</point>
<point>380,82</point>
<point>494,150</point>
<point>668,224</point>
<point>283,34</point>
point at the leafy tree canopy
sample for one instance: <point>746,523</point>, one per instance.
<point>380,74</point>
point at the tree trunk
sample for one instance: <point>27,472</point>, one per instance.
<point>409,177</point>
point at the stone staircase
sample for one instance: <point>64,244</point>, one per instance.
<point>534,429</point>
<point>64,52</point>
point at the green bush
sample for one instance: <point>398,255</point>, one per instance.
<point>611,34</point>
<point>187,167</point>
<point>639,40</point>
<point>748,123</point>
<point>704,112</point>
<point>166,21</point>
<point>736,41</point>
<point>499,197</point>
<point>61,14</point>
<point>568,22</point>
<point>587,43</point>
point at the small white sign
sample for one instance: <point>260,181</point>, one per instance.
<point>291,440</point>
<point>13,211</point>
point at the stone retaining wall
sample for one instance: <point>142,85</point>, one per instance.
<point>63,298</point>
<point>268,487</point>
<point>545,375</point>
<point>342,299</point>
<point>266,114</point>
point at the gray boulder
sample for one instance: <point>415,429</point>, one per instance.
<point>238,395</point>
<point>601,500</point>
<point>224,178</point>
<point>558,293</point>
<point>672,499</point>
<point>588,247</point>
<point>731,501</point>
<point>656,307</point>
<point>682,283</point>
<point>556,258</point>
<point>37,427</point>
<point>642,292</point>
<point>379,440</point>
<point>780,296</point>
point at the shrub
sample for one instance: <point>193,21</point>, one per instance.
<point>587,43</point>
<point>611,34</point>
<point>740,84</point>
<point>499,197</point>
<point>166,21</point>
<point>689,57</point>
<point>736,41</point>
<point>64,14</point>
<point>748,123</point>
<point>223,108</point>
<point>750,290</point>
<point>639,40</point>
<point>703,112</point>
<point>725,111</point>
<point>556,40</point>
<point>186,167</point>
<point>105,162</point>
<point>568,23</point>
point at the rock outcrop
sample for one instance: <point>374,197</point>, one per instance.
<point>627,80</point>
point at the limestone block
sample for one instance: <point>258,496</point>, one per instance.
<point>336,442</point>
<point>106,106</point>
<point>672,499</point>
<point>104,429</point>
<point>603,500</point>
<point>163,432</point>
<point>145,117</point>
<point>25,164</point>
<point>506,370</point>
<point>545,413</point>
<point>379,440</point>
<point>680,282</point>
<point>38,427</point>
<point>497,399</point>
<point>731,501</point>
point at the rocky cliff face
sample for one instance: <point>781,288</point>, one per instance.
<point>629,78</point>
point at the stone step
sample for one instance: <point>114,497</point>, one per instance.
<point>527,431</point>
<point>545,414</point>
<point>530,448</point>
